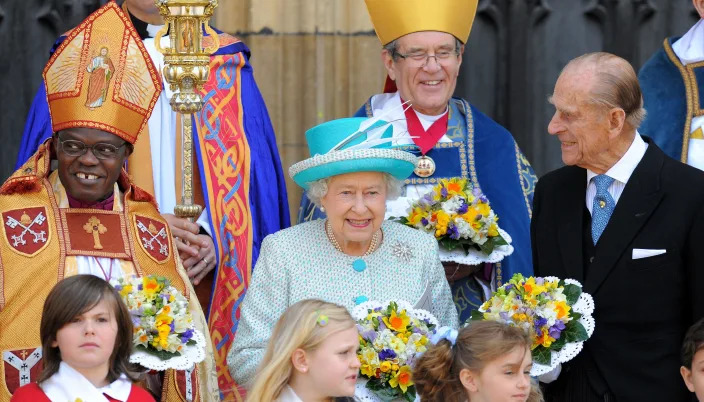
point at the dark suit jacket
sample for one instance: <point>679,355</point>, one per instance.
<point>642,307</point>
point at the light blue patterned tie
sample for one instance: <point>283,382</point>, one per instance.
<point>603,205</point>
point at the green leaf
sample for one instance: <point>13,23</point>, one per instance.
<point>476,315</point>
<point>400,219</point>
<point>575,316</point>
<point>574,332</point>
<point>384,392</point>
<point>410,394</point>
<point>448,244</point>
<point>572,293</point>
<point>161,354</point>
<point>499,241</point>
<point>542,355</point>
<point>487,248</point>
<point>374,384</point>
<point>558,344</point>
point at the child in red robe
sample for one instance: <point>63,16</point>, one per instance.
<point>86,334</point>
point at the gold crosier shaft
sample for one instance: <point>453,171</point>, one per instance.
<point>186,69</point>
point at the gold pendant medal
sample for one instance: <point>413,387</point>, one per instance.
<point>425,167</point>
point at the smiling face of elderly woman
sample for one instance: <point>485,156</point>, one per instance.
<point>355,204</point>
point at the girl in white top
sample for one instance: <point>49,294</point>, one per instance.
<point>311,356</point>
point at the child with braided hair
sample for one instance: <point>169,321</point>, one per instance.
<point>486,361</point>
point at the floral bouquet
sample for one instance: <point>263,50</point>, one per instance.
<point>164,334</point>
<point>556,313</point>
<point>391,335</point>
<point>462,221</point>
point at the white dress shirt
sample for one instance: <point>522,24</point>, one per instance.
<point>620,172</point>
<point>389,104</point>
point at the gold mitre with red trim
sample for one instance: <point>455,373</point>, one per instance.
<point>394,18</point>
<point>101,77</point>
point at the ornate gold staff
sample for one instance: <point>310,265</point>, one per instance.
<point>186,68</point>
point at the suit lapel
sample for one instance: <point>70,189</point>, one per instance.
<point>639,199</point>
<point>571,222</point>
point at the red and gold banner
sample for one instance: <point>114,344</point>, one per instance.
<point>225,162</point>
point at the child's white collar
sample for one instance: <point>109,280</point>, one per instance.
<point>288,395</point>
<point>68,384</point>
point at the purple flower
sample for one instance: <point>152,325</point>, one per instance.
<point>539,281</point>
<point>540,322</point>
<point>118,287</point>
<point>369,335</point>
<point>424,221</point>
<point>387,354</point>
<point>186,336</point>
<point>172,326</point>
<point>382,326</point>
<point>504,316</point>
<point>463,208</point>
<point>476,191</point>
<point>135,320</point>
<point>443,192</point>
<point>411,360</point>
<point>453,232</point>
<point>139,287</point>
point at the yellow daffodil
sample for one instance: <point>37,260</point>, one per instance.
<point>443,219</point>
<point>397,322</point>
<point>385,366</point>
<point>562,310</point>
<point>367,370</point>
<point>402,379</point>
<point>127,289</point>
<point>483,208</point>
<point>150,286</point>
<point>545,339</point>
<point>416,215</point>
<point>493,230</point>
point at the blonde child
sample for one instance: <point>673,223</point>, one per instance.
<point>311,356</point>
<point>86,334</point>
<point>486,361</point>
<point>692,369</point>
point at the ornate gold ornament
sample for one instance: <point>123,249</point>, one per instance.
<point>186,69</point>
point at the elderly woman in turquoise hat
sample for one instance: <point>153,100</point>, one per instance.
<point>352,256</point>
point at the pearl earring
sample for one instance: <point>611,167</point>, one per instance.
<point>322,209</point>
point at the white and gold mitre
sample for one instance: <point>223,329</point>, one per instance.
<point>395,18</point>
<point>102,77</point>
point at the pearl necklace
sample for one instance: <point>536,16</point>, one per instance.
<point>331,236</point>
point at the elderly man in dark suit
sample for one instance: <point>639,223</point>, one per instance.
<point>628,222</point>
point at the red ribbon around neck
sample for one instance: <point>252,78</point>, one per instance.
<point>426,139</point>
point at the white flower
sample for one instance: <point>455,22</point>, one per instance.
<point>452,205</point>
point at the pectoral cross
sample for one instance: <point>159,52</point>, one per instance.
<point>96,228</point>
<point>24,354</point>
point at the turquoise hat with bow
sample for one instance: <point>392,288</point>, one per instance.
<point>349,145</point>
